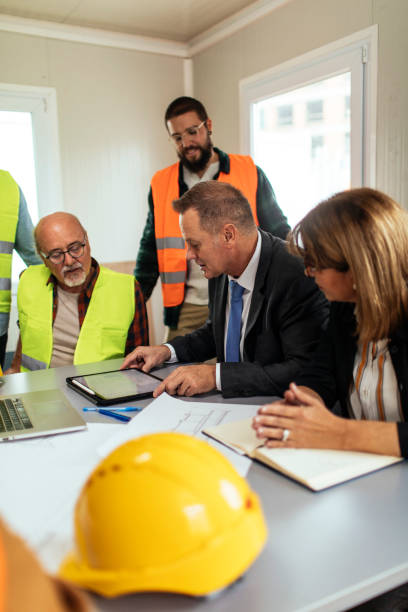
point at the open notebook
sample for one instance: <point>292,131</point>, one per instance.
<point>316,469</point>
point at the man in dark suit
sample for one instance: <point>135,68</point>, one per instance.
<point>261,343</point>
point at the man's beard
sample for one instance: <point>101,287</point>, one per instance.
<point>201,163</point>
<point>77,279</point>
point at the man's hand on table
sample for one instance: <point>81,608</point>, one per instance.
<point>188,380</point>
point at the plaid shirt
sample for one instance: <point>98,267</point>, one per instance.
<point>138,333</point>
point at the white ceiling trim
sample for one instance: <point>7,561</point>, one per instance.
<point>93,36</point>
<point>233,24</point>
<point>49,29</point>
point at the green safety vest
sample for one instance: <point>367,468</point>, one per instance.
<point>9,205</point>
<point>105,328</point>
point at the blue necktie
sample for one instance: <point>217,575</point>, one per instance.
<point>234,322</point>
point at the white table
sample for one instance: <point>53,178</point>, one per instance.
<point>326,551</point>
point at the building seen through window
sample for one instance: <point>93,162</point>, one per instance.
<point>301,139</point>
<point>285,114</point>
<point>314,110</point>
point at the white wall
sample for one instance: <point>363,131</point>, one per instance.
<point>111,103</point>
<point>300,26</point>
<point>112,136</point>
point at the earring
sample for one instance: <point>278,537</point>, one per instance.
<point>354,287</point>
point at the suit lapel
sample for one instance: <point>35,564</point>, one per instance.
<point>220,303</point>
<point>258,294</point>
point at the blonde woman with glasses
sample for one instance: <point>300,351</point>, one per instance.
<point>355,245</point>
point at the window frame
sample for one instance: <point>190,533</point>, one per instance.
<point>358,54</point>
<point>41,102</point>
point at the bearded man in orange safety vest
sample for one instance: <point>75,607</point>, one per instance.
<point>162,251</point>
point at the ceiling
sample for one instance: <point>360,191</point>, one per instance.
<point>177,20</point>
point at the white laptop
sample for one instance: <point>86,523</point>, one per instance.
<point>37,413</point>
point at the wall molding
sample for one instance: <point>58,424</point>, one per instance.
<point>92,36</point>
<point>230,25</point>
<point>119,40</point>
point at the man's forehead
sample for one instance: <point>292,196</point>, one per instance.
<point>191,227</point>
<point>60,233</point>
<point>189,219</point>
<point>181,122</point>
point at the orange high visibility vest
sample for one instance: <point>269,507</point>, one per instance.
<point>171,250</point>
<point>3,576</point>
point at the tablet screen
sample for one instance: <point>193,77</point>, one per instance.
<point>121,383</point>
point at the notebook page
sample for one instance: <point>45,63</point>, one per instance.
<point>318,468</point>
<point>236,434</point>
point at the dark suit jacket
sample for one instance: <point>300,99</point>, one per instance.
<point>330,373</point>
<point>285,319</point>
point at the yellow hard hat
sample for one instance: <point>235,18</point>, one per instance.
<point>164,512</point>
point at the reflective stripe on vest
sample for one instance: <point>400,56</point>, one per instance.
<point>5,285</point>
<point>9,205</point>
<point>105,328</point>
<point>171,250</point>
<point>29,363</point>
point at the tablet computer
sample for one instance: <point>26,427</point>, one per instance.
<point>115,387</point>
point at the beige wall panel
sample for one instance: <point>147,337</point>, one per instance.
<point>111,132</point>
<point>293,29</point>
<point>111,104</point>
<point>392,117</point>
<point>23,60</point>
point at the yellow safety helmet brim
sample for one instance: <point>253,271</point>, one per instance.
<point>197,563</point>
<point>219,563</point>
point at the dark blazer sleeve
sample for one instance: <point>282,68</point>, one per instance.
<point>197,346</point>
<point>270,216</point>
<point>319,373</point>
<point>290,315</point>
<point>207,341</point>
<point>147,266</point>
<point>330,372</point>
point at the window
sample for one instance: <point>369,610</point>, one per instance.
<point>285,114</point>
<point>261,120</point>
<point>17,154</point>
<point>347,107</point>
<point>29,151</point>
<point>316,146</point>
<point>314,110</point>
<point>328,143</point>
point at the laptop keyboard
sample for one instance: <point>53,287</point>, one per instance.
<point>13,415</point>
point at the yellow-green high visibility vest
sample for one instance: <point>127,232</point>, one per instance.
<point>9,205</point>
<point>105,328</point>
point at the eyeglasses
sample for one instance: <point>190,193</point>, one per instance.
<point>76,250</point>
<point>189,132</point>
<point>312,270</point>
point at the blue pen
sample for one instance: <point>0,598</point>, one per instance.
<point>112,409</point>
<point>115,415</point>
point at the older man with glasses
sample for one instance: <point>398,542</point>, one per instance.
<point>71,309</point>
<point>162,250</point>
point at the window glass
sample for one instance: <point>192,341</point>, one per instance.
<point>306,158</point>
<point>17,157</point>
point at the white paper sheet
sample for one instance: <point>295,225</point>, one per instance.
<point>40,480</point>
<point>167,413</point>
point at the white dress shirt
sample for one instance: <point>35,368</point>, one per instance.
<point>374,394</point>
<point>246,280</point>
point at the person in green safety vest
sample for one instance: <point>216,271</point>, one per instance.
<point>16,233</point>
<point>72,310</point>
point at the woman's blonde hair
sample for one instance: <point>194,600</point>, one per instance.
<point>366,232</point>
